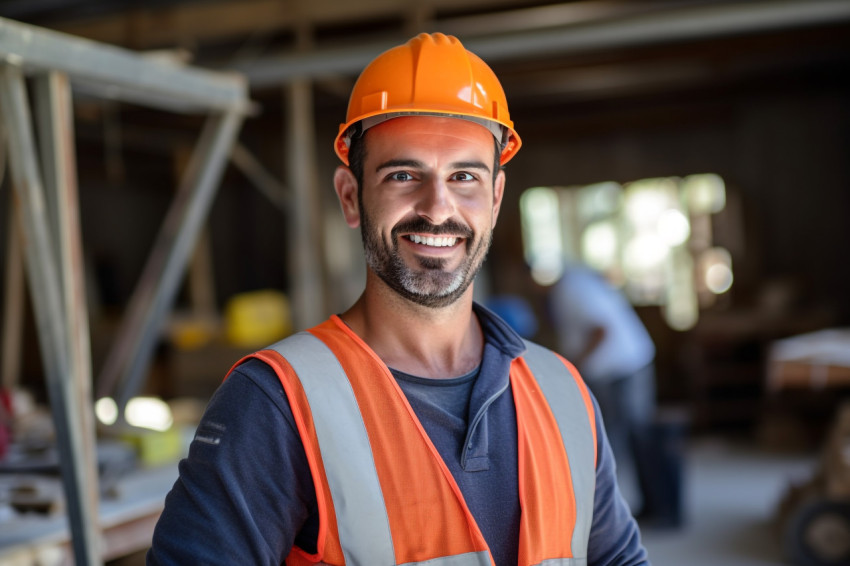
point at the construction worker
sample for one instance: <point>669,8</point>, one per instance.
<point>416,427</point>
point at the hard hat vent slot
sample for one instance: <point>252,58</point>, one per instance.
<point>375,102</point>
<point>499,113</point>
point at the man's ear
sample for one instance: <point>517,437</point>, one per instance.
<point>498,193</point>
<point>346,188</point>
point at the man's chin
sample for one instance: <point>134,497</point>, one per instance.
<point>431,301</point>
<point>435,299</point>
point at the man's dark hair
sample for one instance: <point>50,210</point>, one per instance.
<point>356,157</point>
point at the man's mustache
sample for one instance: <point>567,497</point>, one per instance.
<point>422,226</point>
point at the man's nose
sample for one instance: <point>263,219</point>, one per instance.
<point>436,202</point>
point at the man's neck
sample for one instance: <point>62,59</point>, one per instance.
<point>418,340</point>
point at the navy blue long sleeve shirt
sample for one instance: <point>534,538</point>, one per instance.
<point>245,494</point>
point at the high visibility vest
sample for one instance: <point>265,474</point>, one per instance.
<point>385,496</point>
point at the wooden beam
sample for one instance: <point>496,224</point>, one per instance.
<point>13,306</point>
<point>185,24</point>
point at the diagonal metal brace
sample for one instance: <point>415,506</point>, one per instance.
<point>129,357</point>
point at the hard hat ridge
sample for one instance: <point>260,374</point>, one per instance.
<point>432,75</point>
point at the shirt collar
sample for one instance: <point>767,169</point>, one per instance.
<point>498,332</point>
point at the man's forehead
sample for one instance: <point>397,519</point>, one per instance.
<point>412,137</point>
<point>434,126</point>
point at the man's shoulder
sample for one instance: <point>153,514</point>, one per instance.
<point>255,370</point>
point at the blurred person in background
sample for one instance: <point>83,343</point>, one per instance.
<point>599,331</point>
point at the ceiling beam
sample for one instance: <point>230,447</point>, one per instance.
<point>185,24</point>
<point>679,23</point>
<point>121,74</point>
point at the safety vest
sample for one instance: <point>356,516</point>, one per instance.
<point>385,496</point>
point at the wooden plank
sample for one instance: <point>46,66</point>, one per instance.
<point>127,521</point>
<point>130,536</point>
<point>805,375</point>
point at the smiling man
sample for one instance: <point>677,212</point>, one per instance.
<point>416,427</point>
<point>427,192</point>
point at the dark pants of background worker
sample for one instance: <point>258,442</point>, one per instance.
<point>640,442</point>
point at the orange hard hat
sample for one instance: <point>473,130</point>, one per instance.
<point>431,75</point>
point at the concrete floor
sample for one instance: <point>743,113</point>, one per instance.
<point>732,491</point>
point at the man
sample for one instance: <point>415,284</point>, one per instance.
<point>416,427</point>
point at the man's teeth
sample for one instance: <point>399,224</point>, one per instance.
<point>436,241</point>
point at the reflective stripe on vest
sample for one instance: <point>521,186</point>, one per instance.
<point>364,529</point>
<point>343,443</point>
<point>548,370</point>
<point>469,559</point>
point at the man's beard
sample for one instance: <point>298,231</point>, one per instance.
<point>430,284</point>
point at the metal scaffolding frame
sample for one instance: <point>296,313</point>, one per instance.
<point>43,173</point>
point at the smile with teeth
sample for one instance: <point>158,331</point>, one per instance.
<point>435,241</point>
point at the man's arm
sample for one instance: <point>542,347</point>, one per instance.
<point>614,534</point>
<point>595,336</point>
<point>245,491</point>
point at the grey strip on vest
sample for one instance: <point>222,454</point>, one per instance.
<point>564,396</point>
<point>364,530</point>
<point>564,562</point>
<point>468,559</point>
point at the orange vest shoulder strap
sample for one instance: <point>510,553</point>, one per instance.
<point>571,408</point>
<point>345,449</point>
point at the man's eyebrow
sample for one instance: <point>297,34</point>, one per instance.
<point>392,163</point>
<point>470,165</point>
<point>414,164</point>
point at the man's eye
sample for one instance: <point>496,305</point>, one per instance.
<point>463,176</point>
<point>400,176</point>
